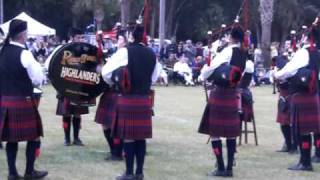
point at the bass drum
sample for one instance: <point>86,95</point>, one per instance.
<point>73,73</point>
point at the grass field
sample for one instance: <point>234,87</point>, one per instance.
<point>177,151</point>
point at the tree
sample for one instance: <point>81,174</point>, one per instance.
<point>266,14</point>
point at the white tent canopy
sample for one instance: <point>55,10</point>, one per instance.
<point>35,28</point>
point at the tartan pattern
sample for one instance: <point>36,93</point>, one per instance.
<point>283,118</point>
<point>304,113</point>
<point>65,108</point>
<point>221,116</point>
<point>134,114</point>
<point>247,108</point>
<point>19,120</point>
<point>106,110</point>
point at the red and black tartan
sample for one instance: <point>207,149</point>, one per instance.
<point>246,107</point>
<point>305,113</point>
<point>106,111</point>
<point>19,120</point>
<point>134,114</point>
<point>283,118</point>
<point>66,108</point>
<point>221,116</point>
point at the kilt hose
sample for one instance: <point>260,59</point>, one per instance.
<point>221,116</point>
<point>19,120</point>
<point>246,105</point>
<point>133,119</point>
<point>305,113</point>
<point>283,118</point>
<point>65,108</point>
<point>106,110</point>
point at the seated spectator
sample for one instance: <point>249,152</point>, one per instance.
<point>182,72</point>
<point>163,76</point>
<point>164,52</point>
<point>196,67</point>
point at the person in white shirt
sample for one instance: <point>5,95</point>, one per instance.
<point>20,119</point>
<point>183,71</point>
<point>304,100</point>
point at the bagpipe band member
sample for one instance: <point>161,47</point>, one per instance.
<point>221,116</point>
<point>302,73</point>
<point>246,94</point>
<point>107,111</point>
<point>134,68</point>
<point>71,112</point>
<point>283,114</point>
<point>20,119</point>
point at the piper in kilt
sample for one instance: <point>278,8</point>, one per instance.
<point>107,111</point>
<point>302,73</point>
<point>283,114</point>
<point>134,69</point>
<point>221,117</point>
<point>19,118</point>
<point>71,112</point>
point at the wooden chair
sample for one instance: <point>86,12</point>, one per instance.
<point>245,131</point>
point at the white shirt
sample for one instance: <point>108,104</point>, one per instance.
<point>119,59</point>
<point>34,69</point>
<point>181,68</point>
<point>223,57</point>
<point>249,67</point>
<point>299,60</point>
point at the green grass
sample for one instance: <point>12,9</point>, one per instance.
<point>176,152</point>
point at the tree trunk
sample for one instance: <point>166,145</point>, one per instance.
<point>266,14</point>
<point>125,11</point>
<point>154,12</point>
<point>169,17</point>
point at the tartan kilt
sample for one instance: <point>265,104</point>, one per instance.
<point>283,118</point>
<point>106,110</point>
<point>221,116</point>
<point>19,119</point>
<point>305,113</point>
<point>65,108</point>
<point>247,107</point>
<point>134,114</point>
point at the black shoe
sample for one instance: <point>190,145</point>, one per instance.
<point>139,177</point>
<point>294,151</point>
<point>315,159</point>
<point>78,142</point>
<point>284,149</point>
<point>67,143</point>
<point>113,158</point>
<point>300,167</point>
<point>15,177</point>
<point>36,175</point>
<point>125,176</point>
<point>228,173</point>
<point>216,172</point>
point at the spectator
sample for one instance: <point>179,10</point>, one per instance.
<point>182,72</point>
<point>180,50</point>
<point>164,52</point>
<point>190,51</point>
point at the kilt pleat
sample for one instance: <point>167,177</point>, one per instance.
<point>133,119</point>
<point>106,110</point>
<point>221,116</point>
<point>283,118</point>
<point>66,108</point>
<point>305,113</point>
<point>19,120</point>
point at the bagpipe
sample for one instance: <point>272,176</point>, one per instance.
<point>228,75</point>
